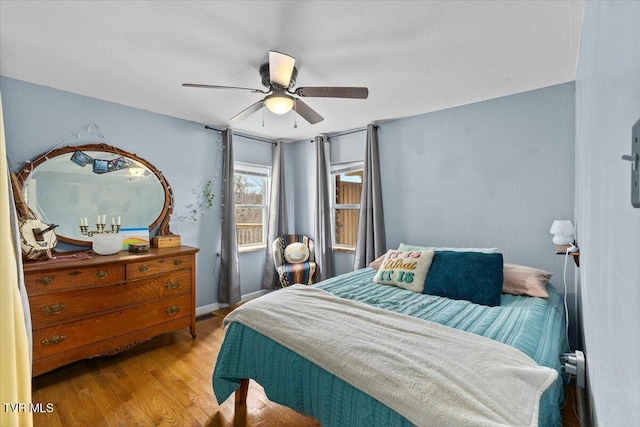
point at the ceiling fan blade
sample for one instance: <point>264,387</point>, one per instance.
<point>248,111</point>
<point>221,87</point>
<point>307,113</point>
<point>333,92</point>
<point>280,68</point>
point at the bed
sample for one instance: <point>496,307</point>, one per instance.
<point>533,326</point>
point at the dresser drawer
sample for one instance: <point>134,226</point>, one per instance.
<point>68,336</point>
<point>63,279</point>
<point>148,268</point>
<point>51,308</point>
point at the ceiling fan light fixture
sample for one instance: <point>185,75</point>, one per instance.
<point>279,103</point>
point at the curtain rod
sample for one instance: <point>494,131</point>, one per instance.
<point>349,132</point>
<point>255,138</point>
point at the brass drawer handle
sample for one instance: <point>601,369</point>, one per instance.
<point>172,284</point>
<point>53,309</point>
<point>101,274</point>
<point>177,261</point>
<point>56,339</point>
<point>143,268</point>
<point>174,309</point>
<point>45,281</point>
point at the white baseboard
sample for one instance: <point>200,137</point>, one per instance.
<point>254,295</point>
<point>205,309</point>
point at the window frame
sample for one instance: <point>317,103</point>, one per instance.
<point>255,170</point>
<point>338,169</point>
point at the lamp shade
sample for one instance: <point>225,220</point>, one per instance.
<point>279,103</point>
<point>563,232</point>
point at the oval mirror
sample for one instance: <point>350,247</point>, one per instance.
<point>69,184</point>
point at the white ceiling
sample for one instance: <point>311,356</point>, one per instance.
<point>415,57</point>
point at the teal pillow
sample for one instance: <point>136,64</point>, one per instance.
<point>471,276</point>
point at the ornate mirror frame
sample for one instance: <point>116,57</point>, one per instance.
<point>164,216</point>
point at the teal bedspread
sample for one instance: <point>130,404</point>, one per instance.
<point>533,325</point>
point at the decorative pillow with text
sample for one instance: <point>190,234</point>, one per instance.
<point>406,270</point>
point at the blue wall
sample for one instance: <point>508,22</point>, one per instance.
<point>300,174</point>
<point>38,118</point>
<point>607,106</point>
<point>491,174</point>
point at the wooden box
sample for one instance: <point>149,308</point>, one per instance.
<point>170,241</point>
<point>139,249</point>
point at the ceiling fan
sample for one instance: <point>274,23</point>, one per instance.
<point>279,76</point>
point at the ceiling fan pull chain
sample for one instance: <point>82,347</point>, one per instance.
<point>295,117</point>
<point>263,117</point>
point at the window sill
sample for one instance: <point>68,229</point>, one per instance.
<point>345,249</point>
<point>251,248</point>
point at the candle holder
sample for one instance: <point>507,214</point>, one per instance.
<point>100,229</point>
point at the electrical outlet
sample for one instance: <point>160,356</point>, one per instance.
<point>580,369</point>
<point>574,363</point>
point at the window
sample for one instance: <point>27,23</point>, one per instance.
<point>251,184</point>
<point>347,187</point>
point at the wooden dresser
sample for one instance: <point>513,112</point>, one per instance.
<point>106,304</point>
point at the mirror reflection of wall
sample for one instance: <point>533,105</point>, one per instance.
<point>61,191</point>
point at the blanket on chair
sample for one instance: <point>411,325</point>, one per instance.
<point>428,373</point>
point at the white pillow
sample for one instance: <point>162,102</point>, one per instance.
<point>405,247</point>
<point>407,270</point>
<point>296,253</point>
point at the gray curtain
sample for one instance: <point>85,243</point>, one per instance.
<point>322,214</point>
<point>229,286</point>
<point>371,241</point>
<point>277,215</point>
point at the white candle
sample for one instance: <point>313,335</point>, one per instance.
<point>104,219</point>
<point>81,221</point>
<point>118,220</point>
<point>86,221</point>
<point>98,220</point>
<point>113,221</point>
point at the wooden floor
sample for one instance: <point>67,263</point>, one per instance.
<point>165,381</point>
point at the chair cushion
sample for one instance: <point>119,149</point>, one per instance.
<point>296,253</point>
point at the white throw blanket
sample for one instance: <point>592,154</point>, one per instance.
<point>431,374</point>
